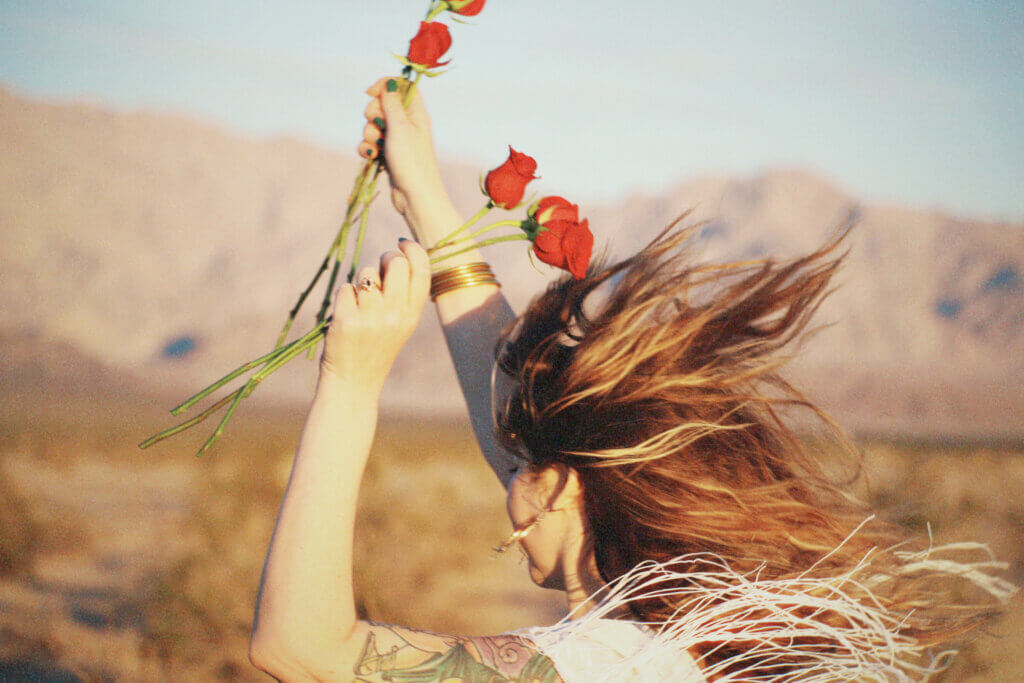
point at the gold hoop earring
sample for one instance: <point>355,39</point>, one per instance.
<point>519,534</point>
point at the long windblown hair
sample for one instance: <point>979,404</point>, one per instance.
<point>657,379</point>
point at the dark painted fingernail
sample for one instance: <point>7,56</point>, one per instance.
<point>392,85</point>
<point>379,122</point>
<point>403,239</point>
<point>380,141</point>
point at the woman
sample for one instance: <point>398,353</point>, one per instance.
<point>649,474</point>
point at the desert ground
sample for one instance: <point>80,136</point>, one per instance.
<point>121,564</point>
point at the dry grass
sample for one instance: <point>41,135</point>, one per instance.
<point>128,565</point>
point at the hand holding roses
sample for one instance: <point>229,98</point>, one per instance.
<point>373,319</point>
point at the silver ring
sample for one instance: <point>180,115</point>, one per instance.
<point>368,283</point>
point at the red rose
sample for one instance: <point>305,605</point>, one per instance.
<point>555,208</point>
<point>506,184</point>
<point>470,9</point>
<point>565,244</point>
<point>429,45</point>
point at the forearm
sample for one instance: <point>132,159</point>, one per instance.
<point>472,318</point>
<point>305,609</point>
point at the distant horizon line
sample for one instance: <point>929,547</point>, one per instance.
<point>210,120</point>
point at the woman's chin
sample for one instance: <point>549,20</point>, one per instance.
<point>552,580</point>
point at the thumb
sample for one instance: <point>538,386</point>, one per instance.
<point>417,111</point>
<point>394,112</point>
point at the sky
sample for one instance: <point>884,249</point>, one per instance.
<point>907,102</point>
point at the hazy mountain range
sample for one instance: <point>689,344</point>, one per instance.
<point>162,252</point>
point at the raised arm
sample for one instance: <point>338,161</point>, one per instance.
<point>306,626</point>
<point>471,317</point>
<point>305,612</point>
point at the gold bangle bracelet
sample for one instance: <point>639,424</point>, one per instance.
<point>470,271</point>
<point>460,283</point>
<point>456,277</point>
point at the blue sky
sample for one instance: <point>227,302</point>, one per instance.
<point>918,103</point>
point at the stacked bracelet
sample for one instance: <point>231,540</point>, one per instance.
<point>466,275</point>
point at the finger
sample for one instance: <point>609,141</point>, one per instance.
<point>344,303</point>
<point>373,134</point>
<point>374,111</point>
<point>419,271</point>
<point>394,268</point>
<point>368,150</point>
<point>368,290</point>
<point>378,86</point>
<point>394,112</point>
<point>416,111</point>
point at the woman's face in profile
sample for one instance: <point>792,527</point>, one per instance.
<point>528,493</point>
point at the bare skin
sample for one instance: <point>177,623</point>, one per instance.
<point>306,627</point>
<point>471,317</point>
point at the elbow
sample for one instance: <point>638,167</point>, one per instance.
<point>267,654</point>
<point>262,659</point>
<point>272,655</point>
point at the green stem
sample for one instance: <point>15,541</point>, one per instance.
<point>240,370</point>
<point>412,88</point>
<point>492,226</point>
<point>339,251</point>
<point>238,396</point>
<point>189,423</point>
<point>309,343</point>
<point>493,240</point>
<point>472,236</point>
<point>326,303</point>
<point>302,299</point>
<point>434,9</point>
<point>447,239</point>
<point>338,242</point>
<point>311,338</point>
<point>356,199</point>
<point>342,241</point>
<point>363,220</point>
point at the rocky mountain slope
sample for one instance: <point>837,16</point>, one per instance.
<point>171,250</point>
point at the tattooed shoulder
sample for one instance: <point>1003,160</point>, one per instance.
<point>406,655</point>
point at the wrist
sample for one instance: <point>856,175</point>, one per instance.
<point>359,394</point>
<point>432,216</point>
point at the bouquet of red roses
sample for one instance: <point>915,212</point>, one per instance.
<point>552,225</point>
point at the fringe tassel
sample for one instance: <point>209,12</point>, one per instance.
<point>778,621</point>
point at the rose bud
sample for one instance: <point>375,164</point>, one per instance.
<point>555,208</point>
<point>506,184</point>
<point>467,8</point>
<point>565,244</point>
<point>429,44</point>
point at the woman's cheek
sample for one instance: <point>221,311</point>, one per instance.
<point>515,502</point>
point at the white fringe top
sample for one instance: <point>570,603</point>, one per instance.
<point>778,615</point>
<point>608,650</point>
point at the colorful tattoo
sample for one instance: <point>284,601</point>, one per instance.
<point>405,655</point>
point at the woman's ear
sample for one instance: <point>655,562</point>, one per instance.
<point>564,488</point>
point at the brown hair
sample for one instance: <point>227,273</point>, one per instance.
<point>668,402</point>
